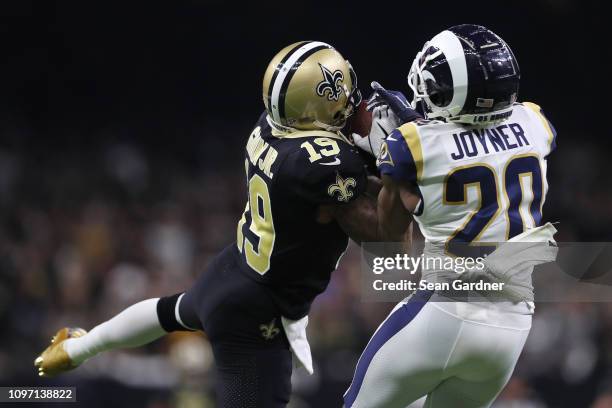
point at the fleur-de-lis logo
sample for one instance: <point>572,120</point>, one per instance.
<point>342,187</point>
<point>269,331</point>
<point>331,84</point>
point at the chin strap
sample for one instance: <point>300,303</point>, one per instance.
<point>278,127</point>
<point>329,128</point>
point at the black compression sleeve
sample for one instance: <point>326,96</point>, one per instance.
<point>166,307</point>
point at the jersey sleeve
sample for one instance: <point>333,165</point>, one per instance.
<point>401,156</point>
<point>333,179</point>
<point>548,127</point>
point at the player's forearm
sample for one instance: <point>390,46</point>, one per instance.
<point>359,219</point>
<point>361,223</point>
<point>374,186</point>
<point>391,230</point>
<point>394,220</point>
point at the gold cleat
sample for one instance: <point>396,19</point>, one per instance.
<point>54,359</point>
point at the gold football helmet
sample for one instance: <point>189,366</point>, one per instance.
<point>309,85</point>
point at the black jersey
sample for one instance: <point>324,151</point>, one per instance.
<point>280,243</point>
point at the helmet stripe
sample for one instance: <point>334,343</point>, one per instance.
<point>287,81</point>
<point>451,46</point>
<point>279,66</point>
<point>285,73</point>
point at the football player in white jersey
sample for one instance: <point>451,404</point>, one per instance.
<point>473,171</point>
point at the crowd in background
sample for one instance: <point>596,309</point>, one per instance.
<point>122,128</point>
<point>85,233</point>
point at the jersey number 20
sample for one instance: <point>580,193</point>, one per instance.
<point>483,177</point>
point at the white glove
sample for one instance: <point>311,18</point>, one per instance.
<point>384,121</point>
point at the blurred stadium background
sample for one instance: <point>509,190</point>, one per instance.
<point>121,134</point>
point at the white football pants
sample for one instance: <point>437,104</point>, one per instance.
<point>458,354</point>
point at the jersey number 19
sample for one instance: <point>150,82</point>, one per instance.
<point>255,235</point>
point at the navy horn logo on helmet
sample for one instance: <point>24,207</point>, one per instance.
<point>465,74</point>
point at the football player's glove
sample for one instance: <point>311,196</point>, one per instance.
<point>395,100</point>
<point>383,123</point>
<point>54,359</point>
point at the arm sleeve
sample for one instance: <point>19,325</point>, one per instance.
<point>330,180</point>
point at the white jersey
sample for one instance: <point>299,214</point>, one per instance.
<point>477,184</point>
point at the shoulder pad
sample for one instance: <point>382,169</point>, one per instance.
<point>401,156</point>
<point>548,127</point>
<point>319,163</point>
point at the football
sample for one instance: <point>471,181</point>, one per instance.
<point>361,121</point>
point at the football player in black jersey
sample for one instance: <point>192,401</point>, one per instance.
<point>307,193</point>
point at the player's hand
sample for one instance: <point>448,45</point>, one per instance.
<point>395,100</point>
<point>383,123</point>
<point>54,359</point>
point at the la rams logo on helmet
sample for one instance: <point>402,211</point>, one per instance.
<point>331,84</point>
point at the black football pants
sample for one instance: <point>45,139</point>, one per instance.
<point>244,327</point>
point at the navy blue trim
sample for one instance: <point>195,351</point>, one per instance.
<point>394,323</point>
<point>421,207</point>
<point>403,168</point>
